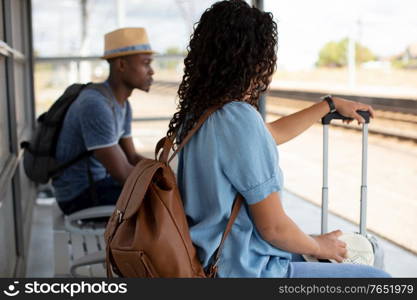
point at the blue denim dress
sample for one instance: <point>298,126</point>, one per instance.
<point>233,152</point>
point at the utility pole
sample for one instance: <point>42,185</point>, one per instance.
<point>120,9</point>
<point>354,38</point>
<point>187,14</point>
<point>262,98</point>
<point>351,61</point>
<point>84,67</point>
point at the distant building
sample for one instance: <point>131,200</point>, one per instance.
<point>408,57</point>
<point>411,52</point>
<point>376,65</point>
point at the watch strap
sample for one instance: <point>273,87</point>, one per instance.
<point>330,102</point>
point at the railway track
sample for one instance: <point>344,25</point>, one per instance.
<point>401,105</point>
<point>381,132</point>
<point>387,124</point>
<point>396,118</point>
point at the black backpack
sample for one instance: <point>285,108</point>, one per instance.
<point>39,159</point>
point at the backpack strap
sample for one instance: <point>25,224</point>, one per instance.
<point>105,91</point>
<point>212,269</point>
<point>200,123</point>
<point>65,165</point>
<point>102,89</point>
<point>166,143</point>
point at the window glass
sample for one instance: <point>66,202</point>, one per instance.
<point>17,28</point>
<point>7,235</point>
<point>4,126</point>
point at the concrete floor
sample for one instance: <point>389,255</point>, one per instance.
<point>41,247</point>
<point>398,262</point>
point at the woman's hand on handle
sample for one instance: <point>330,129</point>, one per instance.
<point>349,109</point>
<point>330,247</point>
<point>288,127</point>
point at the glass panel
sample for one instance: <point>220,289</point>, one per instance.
<point>17,29</point>
<point>21,106</point>
<point>7,235</point>
<point>27,188</point>
<point>1,21</point>
<point>4,122</point>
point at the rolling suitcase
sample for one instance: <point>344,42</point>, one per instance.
<point>377,249</point>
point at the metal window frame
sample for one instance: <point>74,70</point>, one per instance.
<point>10,174</point>
<point>6,50</point>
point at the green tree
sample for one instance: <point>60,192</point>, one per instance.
<point>171,63</point>
<point>334,54</point>
<point>174,50</point>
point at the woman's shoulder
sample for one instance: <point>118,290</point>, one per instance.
<point>237,120</point>
<point>240,106</point>
<point>238,112</point>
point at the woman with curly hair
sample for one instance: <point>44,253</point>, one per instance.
<point>231,58</point>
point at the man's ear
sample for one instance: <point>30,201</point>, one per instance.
<point>121,64</point>
<point>117,64</point>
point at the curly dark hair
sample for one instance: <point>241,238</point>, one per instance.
<point>231,57</point>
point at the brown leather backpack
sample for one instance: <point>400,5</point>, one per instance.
<point>148,234</point>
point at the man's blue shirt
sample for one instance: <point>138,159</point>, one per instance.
<point>92,122</point>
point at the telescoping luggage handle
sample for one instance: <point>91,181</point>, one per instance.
<point>325,189</point>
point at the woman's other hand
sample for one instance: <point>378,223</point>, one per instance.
<point>348,108</point>
<point>330,247</point>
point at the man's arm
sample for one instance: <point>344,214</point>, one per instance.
<point>128,148</point>
<point>288,127</point>
<point>115,161</point>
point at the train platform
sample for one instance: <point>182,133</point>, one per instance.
<point>391,206</point>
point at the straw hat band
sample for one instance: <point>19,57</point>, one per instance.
<point>138,47</point>
<point>126,41</point>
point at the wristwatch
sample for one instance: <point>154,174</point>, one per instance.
<point>329,100</point>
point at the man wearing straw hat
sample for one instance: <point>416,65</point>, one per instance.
<point>99,120</point>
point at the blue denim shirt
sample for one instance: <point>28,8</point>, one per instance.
<point>91,122</point>
<point>233,152</point>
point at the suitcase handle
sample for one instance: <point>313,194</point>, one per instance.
<point>336,116</point>
<point>364,185</point>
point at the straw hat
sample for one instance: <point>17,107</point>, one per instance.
<point>359,250</point>
<point>126,41</point>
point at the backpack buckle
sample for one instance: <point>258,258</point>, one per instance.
<point>119,215</point>
<point>211,271</point>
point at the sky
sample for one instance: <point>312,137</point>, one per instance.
<point>387,27</point>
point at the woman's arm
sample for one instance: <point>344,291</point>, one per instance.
<point>279,230</point>
<point>288,127</point>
